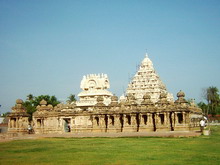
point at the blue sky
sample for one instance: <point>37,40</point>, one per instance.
<point>46,46</point>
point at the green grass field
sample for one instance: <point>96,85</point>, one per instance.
<point>143,150</point>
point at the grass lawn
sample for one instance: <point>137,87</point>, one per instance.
<point>143,150</point>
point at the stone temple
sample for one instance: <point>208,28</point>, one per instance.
<point>147,107</point>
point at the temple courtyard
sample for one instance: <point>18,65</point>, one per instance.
<point>111,150</point>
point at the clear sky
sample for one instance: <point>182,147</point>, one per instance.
<point>46,46</point>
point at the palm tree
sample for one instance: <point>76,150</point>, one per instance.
<point>30,97</point>
<point>71,98</point>
<point>212,98</point>
<point>204,107</point>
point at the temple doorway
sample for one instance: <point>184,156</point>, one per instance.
<point>171,121</point>
<point>154,122</point>
<point>106,123</point>
<point>138,121</point>
<point>121,121</point>
<point>67,125</point>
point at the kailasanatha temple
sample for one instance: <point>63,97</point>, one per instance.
<point>146,106</point>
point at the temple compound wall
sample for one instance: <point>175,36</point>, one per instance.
<point>117,117</point>
<point>146,107</point>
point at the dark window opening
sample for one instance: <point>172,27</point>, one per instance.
<point>180,118</point>
<point>145,119</point>
<point>97,120</point>
<point>161,118</point>
<point>39,122</point>
<point>112,120</point>
<point>128,117</point>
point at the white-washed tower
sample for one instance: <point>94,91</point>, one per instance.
<point>147,81</point>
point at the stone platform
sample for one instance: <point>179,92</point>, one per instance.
<point>9,137</point>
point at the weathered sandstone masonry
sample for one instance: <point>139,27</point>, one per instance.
<point>147,107</point>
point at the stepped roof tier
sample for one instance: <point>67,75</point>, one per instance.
<point>147,81</point>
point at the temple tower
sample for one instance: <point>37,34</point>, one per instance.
<point>147,81</point>
<point>94,86</point>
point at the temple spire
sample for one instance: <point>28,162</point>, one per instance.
<point>146,54</point>
<point>146,80</point>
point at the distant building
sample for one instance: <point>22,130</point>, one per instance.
<point>147,107</point>
<point>1,119</point>
<point>3,124</point>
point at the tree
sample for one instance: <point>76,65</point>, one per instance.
<point>212,97</point>
<point>5,114</point>
<point>32,102</point>
<point>53,101</point>
<point>204,107</point>
<point>30,97</point>
<point>71,98</point>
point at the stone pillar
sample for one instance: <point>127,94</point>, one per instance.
<point>112,126</point>
<point>157,119</point>
<point>173,118</point>
<point>9,123</point>
<point>95,126</point>
<point>133,120</point>
<point>168,120</point>
<point>141,121</point>
<point>12,123</point>
<point>102,123</point>
<point>133,123</point>
<point>176,118</point>
<point>16,123</point>
<point>127,126</point>
<point>126,119</point>
<point>149,119</point>
<point>187,117</point>
<point>117,123</point>
<point>93,122</point>
<point>184,118</point>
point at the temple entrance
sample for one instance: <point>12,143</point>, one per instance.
<point>144,118</point>
<point>154,122</point>
<point>137,121</point>
<point>171,121</point>
<point>121,121</point>
<point>180,118</point>
<point>112,120</point>
<point>97,121</point>
<point>39,122</point>
<point>161,119</point>
<point>67,125</point>
<point>106,123</point>
<point>13,123</point>
<point>128,119</point>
